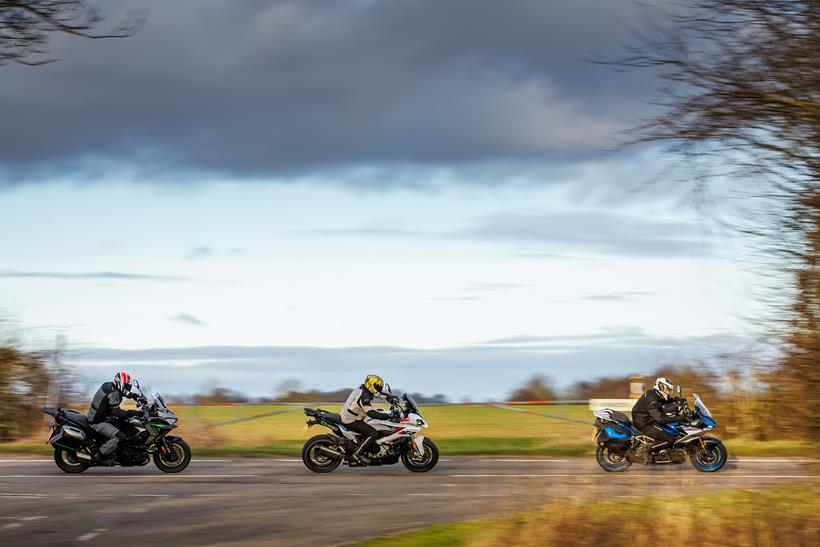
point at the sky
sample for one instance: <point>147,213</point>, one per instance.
<point>246,193</point>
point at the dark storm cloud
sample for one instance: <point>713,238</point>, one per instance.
<point>119,276</point>
<point>289,88</point>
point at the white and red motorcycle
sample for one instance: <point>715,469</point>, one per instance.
<point>397,440</point>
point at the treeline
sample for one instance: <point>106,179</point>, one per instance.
<point>701,379</point>
<point>289,392</point>
<point>743,398</point>
<point>28,381</point>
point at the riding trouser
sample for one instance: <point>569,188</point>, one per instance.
<point>112,433</point>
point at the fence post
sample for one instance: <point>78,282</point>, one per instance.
<point>635,387</point>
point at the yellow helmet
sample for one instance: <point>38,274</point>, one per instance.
<point>373,383</point>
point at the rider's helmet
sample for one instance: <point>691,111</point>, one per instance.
<point>374,384</point>
<point>123,382</point>
<point>665,388</point>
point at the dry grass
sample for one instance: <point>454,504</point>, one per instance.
<point>788,515</point>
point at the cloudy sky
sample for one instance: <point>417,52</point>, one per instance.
<point>250,192</point>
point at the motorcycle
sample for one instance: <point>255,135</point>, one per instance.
<point>397,439</point>
<point>619,444</point>
<point>76,443</point>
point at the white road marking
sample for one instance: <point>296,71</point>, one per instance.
<point>52,461</point>
<point>150,496</point>
<point>772,460</point>
<point>11,525</point>
<point>109,477</point>
<point>284,460</point>
<point>727,476</point>
<point>523,461</point>
<point>92,535</point>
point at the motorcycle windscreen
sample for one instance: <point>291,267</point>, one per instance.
<point>702,407</point>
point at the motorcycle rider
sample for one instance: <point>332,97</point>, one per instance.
<point>358,407</point>
<point>105,408</point>
<point>648,413</point>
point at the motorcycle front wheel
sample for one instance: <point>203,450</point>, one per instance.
<point>316,460</point>
<point>183,457</point>
<point>421,463</point>
<point>612,461</point>
<point>712,459</point>
<point>67,461</point>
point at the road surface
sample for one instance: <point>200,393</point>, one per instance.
<point>279,502</point>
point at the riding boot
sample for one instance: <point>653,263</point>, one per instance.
<point>358,454</point>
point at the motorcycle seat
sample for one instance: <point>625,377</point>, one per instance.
<point>620,417</point>
<point>332,417</point>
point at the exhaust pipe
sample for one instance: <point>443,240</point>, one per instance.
<point>84,456</point>
<point>330,453</point>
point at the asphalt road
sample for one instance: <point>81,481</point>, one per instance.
<point>279,502</point>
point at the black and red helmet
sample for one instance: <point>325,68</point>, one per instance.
<point>123,382</point>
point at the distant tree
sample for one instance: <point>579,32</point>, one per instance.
<point>219,394</point>
<point>438,398</point>
<point>740,100</point>
<point>26,25</point>
<point>613,387</point>
<point>537,388</point>
<point>24,382</point>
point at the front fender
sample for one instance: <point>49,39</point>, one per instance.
<point>418,443</point>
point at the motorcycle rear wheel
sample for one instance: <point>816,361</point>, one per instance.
<point>183,453</point>
<point>612,462</point>
<point>315,460</point>
<point>421,464</point>
<point>710,460</point>
<point>67,461</point>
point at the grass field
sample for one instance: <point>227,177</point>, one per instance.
<point>446,422</point>
<point>788,515</point>
<point>458,430</point>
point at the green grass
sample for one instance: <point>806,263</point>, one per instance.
<point>740,517</point>
<point>457,430</point>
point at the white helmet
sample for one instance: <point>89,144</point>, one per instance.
<point>664,387</point>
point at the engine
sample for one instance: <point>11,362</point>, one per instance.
<point>670,455</point>
<point>132,455</point>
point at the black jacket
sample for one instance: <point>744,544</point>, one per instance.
<point>106,404</point>
<point>649,409</point>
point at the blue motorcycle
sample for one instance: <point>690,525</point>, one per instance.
<point>619,444</point>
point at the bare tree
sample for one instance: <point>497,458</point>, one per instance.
<point>740,95</point>
<point>26,25</point>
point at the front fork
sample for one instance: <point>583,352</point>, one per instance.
<point>169,454</point>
